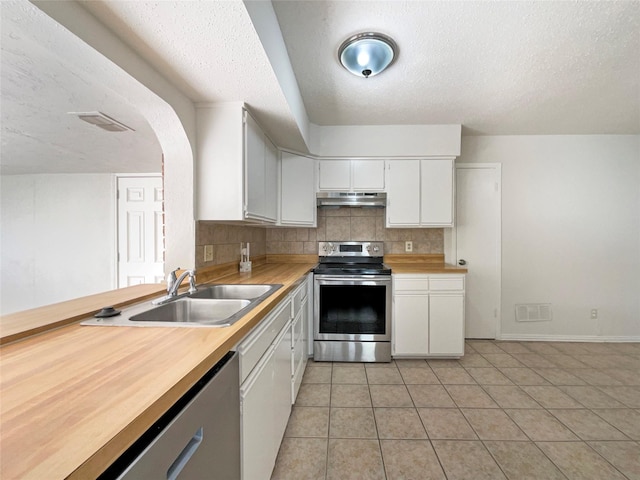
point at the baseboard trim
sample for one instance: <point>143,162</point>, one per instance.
<point>567,338</point>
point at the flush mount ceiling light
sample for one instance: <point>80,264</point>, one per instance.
<point>367,54</point>
<point>102,121</point>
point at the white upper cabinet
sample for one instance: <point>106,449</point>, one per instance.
<point>351,175</point>
<point>420,193</point>
<point>236,169</point>
<point>297,190</point>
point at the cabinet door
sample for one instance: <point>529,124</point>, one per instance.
<point>297,190</point>
<point>437,193</point>
<point>411,324</point>
<point>403,191</point>
<point>334,175</point>
<point>257,406</point>
<point>281,386</point>
<point>367,175</point>
<point>271,181</point>
<point>446,324</point>
<point>254,156</point>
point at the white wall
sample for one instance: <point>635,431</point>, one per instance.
<point>570,231</point>
<point>57,238</point>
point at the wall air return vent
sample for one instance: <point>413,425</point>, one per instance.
<point>533,312</point>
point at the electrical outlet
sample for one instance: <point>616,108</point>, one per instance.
<point>594,313</point>
<point>408,246</point>
<point>208,253</point>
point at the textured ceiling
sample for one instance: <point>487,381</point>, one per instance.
<point>40,84</point>
<point>523,67</point>
<point>209,50</point>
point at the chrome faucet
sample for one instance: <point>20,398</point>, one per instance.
<point>173,284</point>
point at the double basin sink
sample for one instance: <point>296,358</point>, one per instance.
<point>209,306</point>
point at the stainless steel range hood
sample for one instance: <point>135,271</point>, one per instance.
<point>345,199</point>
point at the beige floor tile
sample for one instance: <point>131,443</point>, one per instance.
<point>625,420</point>
<point>579,461</point>
<point>446,423</point>
<point>599,348</point>
<point>483,346</point>
<point>349,375</point>
<point>430,396</point>
<point>523,461</point>
<point>383,376</point>
<point>557,376</point>
<point>390,396</point>
<point>352,423</point>
<point>511,396</point>
<point>410,460</point>
<point>543,348</point>
<point>488,376</point>
<point>533,360</point>
<point>625,456</point>
<point>314,374</point>
<point>593,376</point>
<point>474,360</point>
<point>493,424</point>
<point>301,458</point>
<point>468,348</point>
<point>598,361</point>
<point>550,396</point>
<point>629,396</point>
<point>444,363</point>
<point>591,397</point>
<point>358,365</point>
<point>502,360</point>
<point>523,376</point>
<point>513,347</point>
<point>410,362</point>
<point>587,425</point>
<point>418,375</point>
<point>625,376</point>
<point>467,461</point>
<point>470,396</point>
<point>565,361</point>
<point>350,396</point>
<point>308,422</point>
<point>350,459</point>
<point>454,376</point>
<point>540,425</point>
<point>391,364</point>
<point>571,348</point>
<point>314,395</point>
<point>399,423</point>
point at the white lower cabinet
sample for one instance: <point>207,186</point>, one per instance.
<point>428,315</point>
<point>272,360</point>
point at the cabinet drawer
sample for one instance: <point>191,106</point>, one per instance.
<point>412,284</point>
<point>297,329</point>
<point>438,284</point>
<point>298,296</point>
<point>298,372</point>
<point>297,354</point>
<point>258,341</point>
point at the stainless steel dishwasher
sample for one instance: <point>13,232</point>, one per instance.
<point>198,438</point>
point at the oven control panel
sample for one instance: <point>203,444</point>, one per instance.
<point>351,249</point>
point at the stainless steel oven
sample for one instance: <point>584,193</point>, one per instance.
<point>352,303</point>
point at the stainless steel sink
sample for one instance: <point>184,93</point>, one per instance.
<point>205,312</point>
<point>234,291</point>
<point>210,306</point>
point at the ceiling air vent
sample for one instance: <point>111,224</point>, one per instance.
<point>102,121</point>
<point>533,312</point>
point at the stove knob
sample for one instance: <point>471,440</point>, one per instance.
<point>376,249</point>
<point>328,247</point>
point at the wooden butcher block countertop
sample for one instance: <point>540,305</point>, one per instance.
<point>427,263</point>
<point>74,398</point>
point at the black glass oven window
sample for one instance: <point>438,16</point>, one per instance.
<point>352,309</point>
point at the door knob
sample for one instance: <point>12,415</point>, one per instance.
<point>462,261</point>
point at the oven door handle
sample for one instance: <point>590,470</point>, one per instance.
<point>341,278</point>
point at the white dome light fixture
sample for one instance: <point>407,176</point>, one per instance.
<point>367,54</point>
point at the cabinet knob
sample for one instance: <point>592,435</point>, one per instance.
<point>462,261</point>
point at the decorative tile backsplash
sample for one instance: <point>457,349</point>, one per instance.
<point>344,223</point>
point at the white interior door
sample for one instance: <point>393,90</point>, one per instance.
<point>477,236</point>
<point>140,230</point>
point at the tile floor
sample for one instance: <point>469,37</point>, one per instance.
<point>516,410</point>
